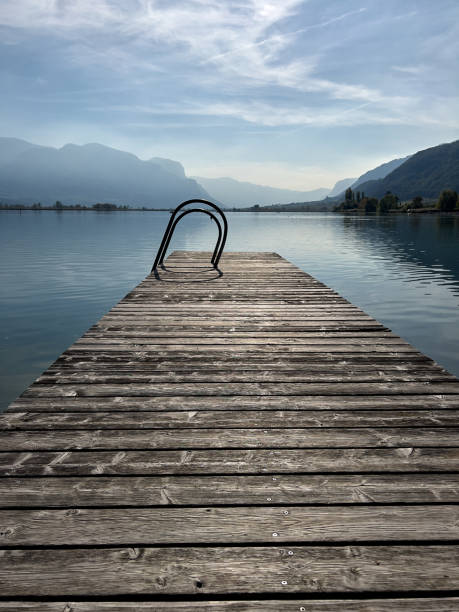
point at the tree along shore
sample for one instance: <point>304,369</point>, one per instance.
<point>358,202</point>
<point>59,207</point>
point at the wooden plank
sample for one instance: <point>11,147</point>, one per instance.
<point>172,367</point>
<point>248,355</point>
<point>255,419</point>
<point>236,294</point>
<point>222,570</point>
<point>231,330</point>
<point>239,402</point>
<point>234,330</point>
<point>229,461</point>
<point>203,310</point>
<point>91,339</point>
<point>424,604</point>
<point>310,363</point>
<point>142,319</point>
<point>141,439</point>
<point>234,336</point>
<point>256,307</point>
<point>245,376</point>
<point>213,525</point>
<point>231,389</point>
<point>256,347</point>
<point>225,299</point>
<point>273,488</point>
<point>103,372</point>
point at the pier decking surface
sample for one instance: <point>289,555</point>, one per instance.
<point>245,441</point>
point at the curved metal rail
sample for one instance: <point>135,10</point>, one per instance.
<point>222,234</point>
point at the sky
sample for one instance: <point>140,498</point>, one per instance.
<point>290,93</point>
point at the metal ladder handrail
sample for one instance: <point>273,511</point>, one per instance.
<point>169,237</point>
<point>218,250</point>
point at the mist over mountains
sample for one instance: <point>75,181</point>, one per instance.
<point>89,174</point>
<point>340,187</point>
<point>93,173</point>
<point>239,193</point>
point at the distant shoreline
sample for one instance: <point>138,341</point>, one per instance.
<point>419,211</point>
<point>73,209</point>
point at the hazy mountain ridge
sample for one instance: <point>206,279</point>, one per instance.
<point>11,148</point>
<point>426,174</point>
<point>233,193</point>
<point>91,173</point>
<point>380,172</point>
<point>170,165</point>
<point>340,187</point>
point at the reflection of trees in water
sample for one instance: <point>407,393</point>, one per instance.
<point>431,241</point>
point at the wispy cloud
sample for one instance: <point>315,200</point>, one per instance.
<point>243,72</point>
<point>294,117</point>
<point>413,70</point>
<point>243,41</point>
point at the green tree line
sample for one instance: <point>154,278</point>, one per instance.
<point>356,201</point>
<point>59,206</point>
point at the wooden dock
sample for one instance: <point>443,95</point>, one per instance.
<point>235,442</point>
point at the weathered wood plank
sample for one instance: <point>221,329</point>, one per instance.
<point>231,389</point>
<point>245,376</point>
<point>220,570</point>
<point>238,349</point>
<point>93,339</point>
<point>142,318</point>
<point>229,461</point>
<point>424,604</point>
<point>141,439</point>
<point>248,354</point>
<point>213,525</point>
<point>239,402</point>
<point>291,296</point>
<point>274,488</point>
<point>27,421</point>
<point>170,367</point>
<point>235,330</point>
<point>232,335</point>
<point>173,360</point>
<point>256,307</point>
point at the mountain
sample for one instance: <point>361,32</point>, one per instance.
<point>238,194</point>
<point>341,186</point>
<point>89,174</point>
<point>174,167</point>
<point>381,171</point>
<point>426,173</point>
<point>10,148</point>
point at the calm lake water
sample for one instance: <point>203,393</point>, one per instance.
<point>60,272</point>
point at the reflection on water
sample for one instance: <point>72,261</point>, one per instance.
<point>59,272</point>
